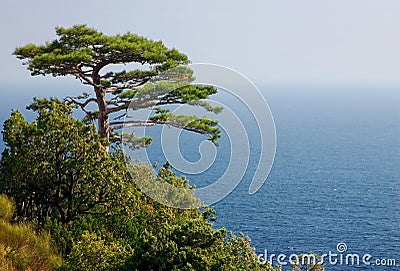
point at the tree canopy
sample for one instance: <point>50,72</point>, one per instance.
<point>56,165</point>
<point>91,56</point>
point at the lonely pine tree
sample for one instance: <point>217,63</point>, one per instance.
<point>89,55</point>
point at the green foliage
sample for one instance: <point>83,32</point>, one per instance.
<point>21,248</point>
<point>134,142</point>
<point>84,52</point>
<point>57,166</point>
<point>93,253</point>
<point>240,255</point>
<point>201,125</point>
<point>86,47</point>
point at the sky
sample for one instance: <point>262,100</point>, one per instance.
<point>272,42</point>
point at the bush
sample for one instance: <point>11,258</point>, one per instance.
<point>93,253</point>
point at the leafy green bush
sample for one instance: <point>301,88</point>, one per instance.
<point>93,253</point>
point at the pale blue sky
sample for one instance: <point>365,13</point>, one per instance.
<point>296,42</point>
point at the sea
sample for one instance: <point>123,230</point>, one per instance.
<point>334,187</point>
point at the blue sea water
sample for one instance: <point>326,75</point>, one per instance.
<point>335,179</point>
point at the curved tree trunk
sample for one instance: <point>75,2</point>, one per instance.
<point>103,123</point>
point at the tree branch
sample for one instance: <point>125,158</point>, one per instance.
<point>81,74</point>
<point>120,116</point>
<point>82,105</point>
<point>118,108</point>
<point>121,87</point>
<point>116,125</point>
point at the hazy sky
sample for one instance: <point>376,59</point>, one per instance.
<point>340,42</point>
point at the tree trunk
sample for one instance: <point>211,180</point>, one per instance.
<point>103,125</point>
